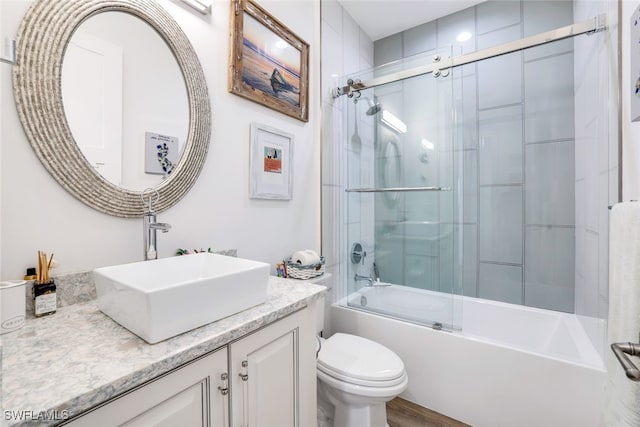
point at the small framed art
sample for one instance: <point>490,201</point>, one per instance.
<point>271,163</point>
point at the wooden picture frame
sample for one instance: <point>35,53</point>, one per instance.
<point>268,63</point>
<point>271,163</point>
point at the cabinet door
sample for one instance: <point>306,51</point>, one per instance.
<point>265,376</point>
<point>188,397</point>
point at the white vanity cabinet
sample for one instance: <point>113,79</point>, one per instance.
<point>272,374</point>
<point>264,379</point>
<point>187,396</point>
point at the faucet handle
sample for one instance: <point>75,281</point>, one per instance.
<point>149,192</point>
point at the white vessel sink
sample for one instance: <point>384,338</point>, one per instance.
<point>163,298</point>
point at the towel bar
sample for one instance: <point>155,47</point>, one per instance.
<point>621,350</point>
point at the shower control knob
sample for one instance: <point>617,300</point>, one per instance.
<point>357,253</point>
<point>436,58</point>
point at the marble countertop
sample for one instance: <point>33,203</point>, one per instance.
<point>66,363</point>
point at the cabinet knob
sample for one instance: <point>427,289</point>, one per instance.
<point>244,376</point>
<point>224,388</point>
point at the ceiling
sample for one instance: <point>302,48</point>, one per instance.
<point>381,18</point>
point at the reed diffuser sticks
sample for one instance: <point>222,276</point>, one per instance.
<point>44,289</point>
<point>43,267</point>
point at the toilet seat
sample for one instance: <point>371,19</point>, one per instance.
<point>359,361</point>
<point>384,391</point>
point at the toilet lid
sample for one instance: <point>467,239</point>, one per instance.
<point>359,358</point>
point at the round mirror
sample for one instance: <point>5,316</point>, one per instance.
<point>125,100</point>
<point>50,38</point>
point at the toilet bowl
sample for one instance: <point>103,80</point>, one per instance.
<point>358,376</point>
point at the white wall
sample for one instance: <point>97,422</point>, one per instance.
<point>2,94</point>
<point>36,213</point>
<point>630,131</point>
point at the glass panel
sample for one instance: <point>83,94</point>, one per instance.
<point>401,244</point>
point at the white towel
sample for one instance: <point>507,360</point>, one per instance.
<point>622,405</point>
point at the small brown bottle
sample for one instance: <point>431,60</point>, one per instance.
<point>44,295</point>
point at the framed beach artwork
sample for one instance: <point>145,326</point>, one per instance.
<point>270,163</point>
<point>269,64</point>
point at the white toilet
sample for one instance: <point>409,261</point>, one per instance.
<point>358,376</point>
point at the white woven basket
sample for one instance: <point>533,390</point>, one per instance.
<point>303,272</point>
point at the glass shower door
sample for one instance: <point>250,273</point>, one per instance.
<point>401,216</point>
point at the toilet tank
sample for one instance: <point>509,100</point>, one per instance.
<point>320,303</point>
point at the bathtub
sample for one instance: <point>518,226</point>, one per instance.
<point>509,365</point>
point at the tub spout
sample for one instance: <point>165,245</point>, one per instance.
<point>359,278</point>
<point>370,281</point>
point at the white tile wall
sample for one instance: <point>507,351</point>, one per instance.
<point>548,88</point>
<point>449,27</point>
<point>500,283</point>
<point>494,15</point>
<point>466,103</point>
<point>332,16</point>
<point>421,271</point>
<point>350,44</point>
<point>549,267</point>
<point>500,81</point>
<point>388,49</point>
<point>501,224</point>
<point>469,261</point>
<point>541,16</point>
<point>550,189</point>
<point>500,132</point>
<point>470,187</point>
<point>419,39</point>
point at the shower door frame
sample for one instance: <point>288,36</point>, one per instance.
<point>441,65</point>
<point>450,319</point>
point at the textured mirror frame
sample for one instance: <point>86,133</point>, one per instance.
<point>42,40</point>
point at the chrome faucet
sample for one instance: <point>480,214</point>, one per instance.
<point>150,229</point>
<point>371,282</point>
<point>359,278</point>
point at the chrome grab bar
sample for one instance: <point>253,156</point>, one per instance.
<point>621,350</point>
<point>395,189</point>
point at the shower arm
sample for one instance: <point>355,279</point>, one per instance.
<point>439,65</point>
<point>621,350</point>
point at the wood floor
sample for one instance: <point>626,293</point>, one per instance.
<point>402,413</point>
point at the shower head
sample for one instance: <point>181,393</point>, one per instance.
<point>374,108</point>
